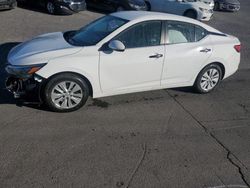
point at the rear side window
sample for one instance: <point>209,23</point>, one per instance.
<point>180,32</point>
<point>144,34</point>
<point>200,33</point>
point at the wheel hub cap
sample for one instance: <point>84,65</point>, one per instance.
<point>66,95</point>
<point>210,79</point>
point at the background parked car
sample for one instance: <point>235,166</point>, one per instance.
<point>7,4</point>
<point>117,5</point>
<point>209,2</point>
<point>228,5</point>
<point>59,6</point>
<point>195,9</point>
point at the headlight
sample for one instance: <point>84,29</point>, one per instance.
<point>134,6</point>
<point>204,10</point>
<point>23,71</point>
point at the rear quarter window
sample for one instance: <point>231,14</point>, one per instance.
<point>200,33</point>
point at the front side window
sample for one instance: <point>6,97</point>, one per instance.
<point>141,35</point>
<point>95,31</point>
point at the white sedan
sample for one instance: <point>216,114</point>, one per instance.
<point>196,9</point>
<point>124,52</point>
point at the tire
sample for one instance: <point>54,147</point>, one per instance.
<point>191,14</point>
<point>216,6</point>
<point>65,92</point>
<point>148,6</point>
<point>50,7</point>
<point>208,79</point>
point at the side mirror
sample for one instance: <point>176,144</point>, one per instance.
<point>116,45</point>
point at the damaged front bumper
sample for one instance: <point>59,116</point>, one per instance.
<point>20,87</point>
<point>23,80</point>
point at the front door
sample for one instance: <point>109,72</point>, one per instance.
<point>137,68</point>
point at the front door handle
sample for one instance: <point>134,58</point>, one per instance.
<point>206,50</point>
<point>156,56</point>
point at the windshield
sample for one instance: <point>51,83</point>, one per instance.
<point>94,32</point>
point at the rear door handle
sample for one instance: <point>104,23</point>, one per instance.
<point>156,56</point>
<point>205,50</point>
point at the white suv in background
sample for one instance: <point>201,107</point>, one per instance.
<point>209,2</point>
<point>189,8</point>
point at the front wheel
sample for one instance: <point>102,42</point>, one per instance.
<point>208,79</point>
<point>66,92</point>
<point>50,7</point>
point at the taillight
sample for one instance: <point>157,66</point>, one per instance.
<point>237,48</point>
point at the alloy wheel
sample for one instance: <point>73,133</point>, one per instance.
<point>67,95</point>
<point>210,79</point>
<point>50,7</point>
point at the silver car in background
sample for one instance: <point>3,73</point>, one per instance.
<point>227,5</point>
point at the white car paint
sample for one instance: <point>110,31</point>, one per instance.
<point>204,11</point>
<point>130,71</point>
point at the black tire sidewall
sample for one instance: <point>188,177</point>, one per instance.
<point>197,85</point>
<point>60,78</point>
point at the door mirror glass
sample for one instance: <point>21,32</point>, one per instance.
<point>117,45</point>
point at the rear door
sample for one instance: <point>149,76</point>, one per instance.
<point>188,48</point>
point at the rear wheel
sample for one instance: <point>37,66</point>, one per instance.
<point>66,92</point>
<point>191,14</point>
<point>208,79</point>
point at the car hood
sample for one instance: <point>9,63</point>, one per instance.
<point>41,49</point>
<point>207,1</point>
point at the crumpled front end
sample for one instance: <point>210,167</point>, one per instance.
<point>22,80</point>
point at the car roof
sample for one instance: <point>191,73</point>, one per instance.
<point>149,15</point>
<point>134,15</point>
